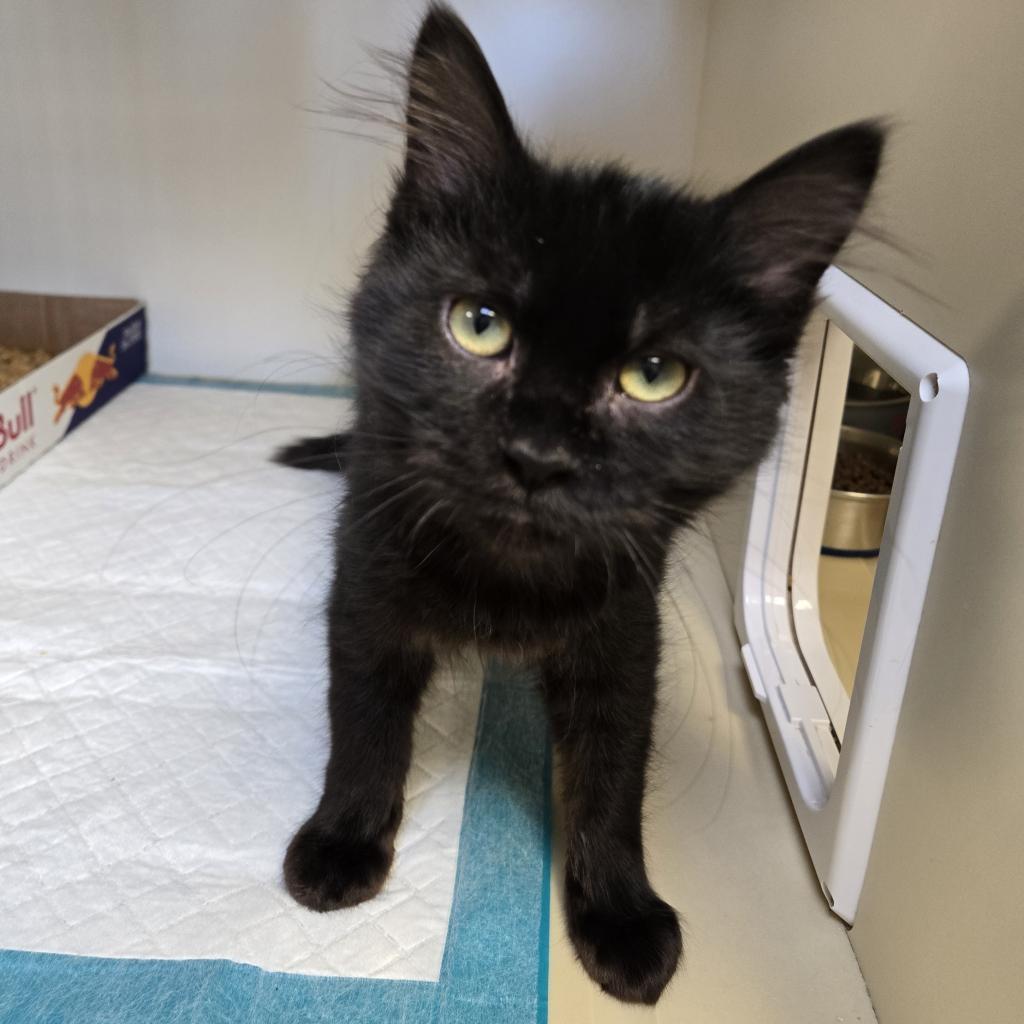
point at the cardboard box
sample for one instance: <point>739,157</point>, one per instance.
<point>98,348</point>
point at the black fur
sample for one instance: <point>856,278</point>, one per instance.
<point>329,453</point>
<point>524,502</point>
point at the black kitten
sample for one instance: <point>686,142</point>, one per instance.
<point>556,369</point>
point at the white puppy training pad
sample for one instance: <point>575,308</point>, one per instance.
<point>162,700</point>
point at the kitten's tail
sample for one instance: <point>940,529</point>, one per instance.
<point>330,453</point>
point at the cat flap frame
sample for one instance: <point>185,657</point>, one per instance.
<point>837,798</point>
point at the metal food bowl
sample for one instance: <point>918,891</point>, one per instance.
<point>855,520</point>
<point>867,376</point>
<point>874,400</point>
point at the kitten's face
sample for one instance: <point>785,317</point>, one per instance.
<point>591,284</point>
<point>562,356</point>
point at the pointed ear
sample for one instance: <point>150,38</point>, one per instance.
<point>786,223</point>
<point>457,126</point>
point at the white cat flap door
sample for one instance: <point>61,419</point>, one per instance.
<point>834,748</point>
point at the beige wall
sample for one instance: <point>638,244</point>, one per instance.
<point>162,150</point>
<point>940,930</point>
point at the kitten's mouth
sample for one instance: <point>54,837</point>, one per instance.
<point>521,532</point>
<point>514,525</point>
<point>520,524</point>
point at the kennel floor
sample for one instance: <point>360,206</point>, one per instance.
<point>470,927</point>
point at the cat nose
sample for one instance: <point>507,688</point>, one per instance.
<point>533,465</point>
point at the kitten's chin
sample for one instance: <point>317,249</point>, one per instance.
<point>519,540</point>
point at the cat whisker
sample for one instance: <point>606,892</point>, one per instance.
<point>390,482</point>
<point>640,565</point>
<point>426,558</point>
<point>386,503</point>
<point>440,503</point>
<point>242,523</point>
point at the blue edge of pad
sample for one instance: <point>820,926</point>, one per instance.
<point>494,969</point>
<point>265,387</point>
<point>495,964</point>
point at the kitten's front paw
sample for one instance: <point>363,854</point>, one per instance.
<point>327,871</point>
<point>633,955</point>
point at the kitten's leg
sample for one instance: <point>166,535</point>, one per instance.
<point>342,854</point>
<point>601,698</point>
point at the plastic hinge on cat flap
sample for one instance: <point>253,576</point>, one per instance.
<point>837,794</point>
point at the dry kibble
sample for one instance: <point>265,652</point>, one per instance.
<point>15,363</point>
<point>856,472</point>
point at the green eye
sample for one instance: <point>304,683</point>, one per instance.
<point>478,329</point>
<point>653,378</point>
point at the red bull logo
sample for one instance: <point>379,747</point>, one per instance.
<point>89,376</point>
<point>12,429</point>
